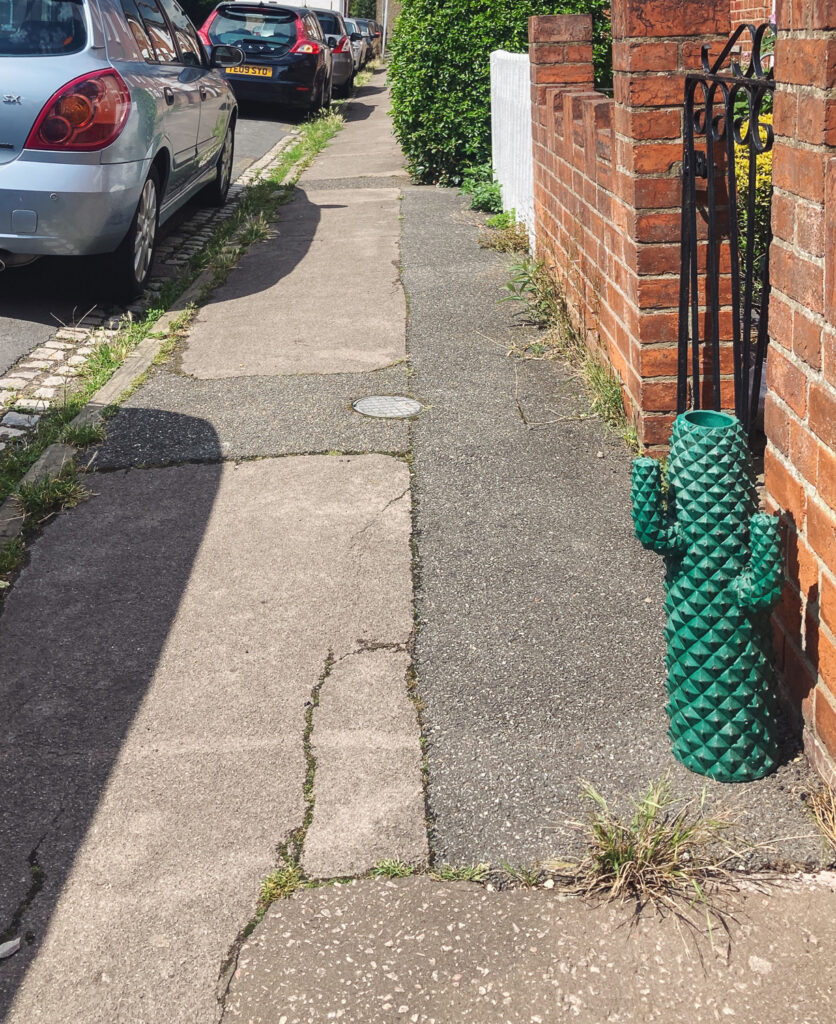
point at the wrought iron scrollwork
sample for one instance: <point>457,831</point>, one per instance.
<point>726,104</point>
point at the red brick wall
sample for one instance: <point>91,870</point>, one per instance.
<point>607,185</point>
<point>801,366</point>
<point>750,12</point>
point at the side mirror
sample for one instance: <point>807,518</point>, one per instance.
<point>355,37</point>
<point>332,41</point>
<point>225,56</point>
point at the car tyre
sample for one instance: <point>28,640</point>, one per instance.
<point>217,190</point>
<point>130,264</point>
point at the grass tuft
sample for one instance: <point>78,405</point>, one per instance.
<point>40,500</point>
<point>11,556</point>
<point>528,877</point>
<point>392,869</point>
<point>279,884</point>
<point>664,854</point>
<point>823,808</point>
<point>467,873</point>
<point>510,237</point>
<point>83,435</point>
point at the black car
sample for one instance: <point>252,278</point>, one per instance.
<point>338,39</point>
<point>286,58</point>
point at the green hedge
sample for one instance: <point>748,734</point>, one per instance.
<point>440,74</point>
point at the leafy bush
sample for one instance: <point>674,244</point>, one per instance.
<point>363,9</point>
<point>440,74</point>
<point>762,203</point>
<point>485,194</point>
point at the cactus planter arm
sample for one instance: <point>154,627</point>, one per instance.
<point>655,527</point>
<point>723,562</point>
<point>759,585</point>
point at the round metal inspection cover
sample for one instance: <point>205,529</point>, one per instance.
<point>387,407</point>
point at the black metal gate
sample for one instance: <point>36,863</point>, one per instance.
<point>723,112</point>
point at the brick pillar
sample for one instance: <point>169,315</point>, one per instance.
<point>655,42</point>
<point>800,465</point>
<point>607,183</point>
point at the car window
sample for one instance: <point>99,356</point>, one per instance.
<point>158,31</point>
<point>329,23</point>
<point>232,27</point>
<point>191,52</point>
<point>43,28</point>
<point>312,27</point>
<point>134,20</point>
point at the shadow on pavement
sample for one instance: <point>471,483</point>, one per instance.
<point>81,636</point>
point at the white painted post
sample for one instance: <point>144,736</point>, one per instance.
<point>511,141</point>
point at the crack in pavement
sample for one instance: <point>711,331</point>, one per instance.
<point>380,512</point>
<point>289,850</point>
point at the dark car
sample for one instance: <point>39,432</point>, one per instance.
<point>342,60</point>
<point>286,58</point>
<point>375,37</point>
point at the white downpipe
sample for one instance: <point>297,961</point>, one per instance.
<point>385,24</point>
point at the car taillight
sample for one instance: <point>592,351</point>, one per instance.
<point>86,114</point>
<point>303,44</point>
<point>203,31</point>
<point>342,46</point>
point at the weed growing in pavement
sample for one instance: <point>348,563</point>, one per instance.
<point>822,805</point>
<point>544,306</point>
<point>665,854</point>
<point>449,873</point>
<point>278,885</point>
<point>527,877</point>
<point>43,498</point>
<point>485,194</point>
<point>11,557</point>
<point>84,435</point>
<point>509,238</point>
<point>392,869</point>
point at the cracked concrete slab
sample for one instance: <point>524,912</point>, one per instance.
<point>368,791</point>
<point>159,650</point>
<point>294,304</point>
<point>374,952</point>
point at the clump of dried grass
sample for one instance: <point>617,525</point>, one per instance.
<point>667,853</point>
<point>823,807</point>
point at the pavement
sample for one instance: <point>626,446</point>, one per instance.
<point>277,628</point>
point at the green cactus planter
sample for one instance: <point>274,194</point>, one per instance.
<point>723,564</point>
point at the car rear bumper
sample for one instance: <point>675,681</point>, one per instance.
<point>60,209</point>
<point>292,81</point>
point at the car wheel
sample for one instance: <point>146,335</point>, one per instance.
<point>217,190</point>
<point>130,265</point>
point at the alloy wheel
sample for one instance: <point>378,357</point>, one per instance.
<point>146,230</point>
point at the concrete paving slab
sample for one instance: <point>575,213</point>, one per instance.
<point>294,305</point>
<point>368,791</point>
<point>175,418</point>
<point>424,952</point>
<point>159,650</point>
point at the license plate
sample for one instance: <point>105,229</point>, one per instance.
<point>246,69</point>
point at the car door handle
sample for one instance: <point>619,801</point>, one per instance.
<point>169,95</point>
<point>203,92</point>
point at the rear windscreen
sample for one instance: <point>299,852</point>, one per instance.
<point>330,25</point>
<point>42,27</point>
<point>232,27</point>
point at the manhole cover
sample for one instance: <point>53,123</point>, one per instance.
<point>389,407</point>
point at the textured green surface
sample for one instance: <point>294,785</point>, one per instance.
<point>723,564</point>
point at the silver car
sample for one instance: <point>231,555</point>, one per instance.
<point>111,118</point>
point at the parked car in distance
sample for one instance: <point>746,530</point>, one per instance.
<point>376,37</point>
<point>359,49</point>
<point>368,36</point>
<point>286,58</point>
<point>342,59</point>
<point>113,117</point>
